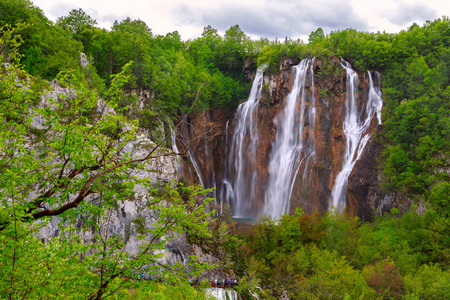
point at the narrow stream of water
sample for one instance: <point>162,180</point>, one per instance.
<point>293,144</point>
<point>356,122</point>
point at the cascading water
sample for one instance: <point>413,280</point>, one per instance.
<point>356,122</point>
<point>241,174</point>
<point>223,294</point>
<point>252,181</point>
<point>294,142</point>
<point>210,174</point>
<point>226,187</point>
<point>191,157</point>
<point>255,295</point>
<point>175,150</point>
<point>375,100</point>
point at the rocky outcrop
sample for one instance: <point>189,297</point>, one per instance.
<point>215,129</point>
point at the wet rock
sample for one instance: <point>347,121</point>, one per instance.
<point>364,195</point>
<point>210,150</point>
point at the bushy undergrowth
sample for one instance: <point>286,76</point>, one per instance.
<point>335,256</point>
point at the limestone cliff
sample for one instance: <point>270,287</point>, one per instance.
<point>119,221</point>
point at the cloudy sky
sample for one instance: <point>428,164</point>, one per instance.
<point>257,18</point>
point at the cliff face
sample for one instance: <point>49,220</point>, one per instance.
<point>119,221</point>
<point>313,184</point>
<point>363,192</point>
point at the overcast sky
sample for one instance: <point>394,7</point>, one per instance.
<point>257,18</point>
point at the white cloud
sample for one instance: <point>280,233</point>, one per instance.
<point>265,18</point>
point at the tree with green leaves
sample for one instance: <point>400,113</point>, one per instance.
<point>76,21</point>
<point>71,159</point>
<point>81,25</point>
<point>234,49</point>
<point>316,36</point>
<point>46,49</point>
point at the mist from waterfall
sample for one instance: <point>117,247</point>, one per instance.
<point>356,122</point>
<point>240,177</point>
<point>294,142</point>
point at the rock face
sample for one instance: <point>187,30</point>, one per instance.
<point>119,220</point>
<point>215,129</point>
<point>204,136</point>
<point>363,193</point>
<point>160,170</point>
<point>83,60</point>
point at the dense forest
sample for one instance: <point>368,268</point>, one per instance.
<point>78,152</point>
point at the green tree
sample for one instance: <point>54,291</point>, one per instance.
<point>440,197</point>
<point>69,158</point>
<point>49,48</point>
<point>233,50</point>
<point>316,36</point>
<point>132,41</point>
<point>81,25</point>
<point>428,282</point>
<point>76,21</point>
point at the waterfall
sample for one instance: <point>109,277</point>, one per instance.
<point>255,295</point>
<point>191,157</point>
<point>375,102</point>
<point>173,136</point>
<point>196,168</point>
<point>356,122</point>
<point>241,174</point>
<point>226,186</point>
<point>223,294</point>
<point>293,144</point>
<point>210,174</point>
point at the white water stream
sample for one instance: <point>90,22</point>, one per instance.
<point>293,149</point>
<point>294,142</point>
<point>173,137</point>
<point>240,181</point>
<point>223,294</point>
<point>356,122</point>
